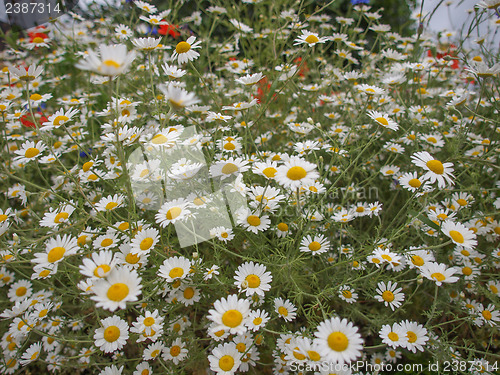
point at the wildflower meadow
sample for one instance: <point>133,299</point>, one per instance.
<point>255,186</point>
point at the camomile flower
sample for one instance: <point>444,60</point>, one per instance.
<point>394,335</point>
<point>184,50</point>
<point>315,245</point>
<point>210,272</point>
<point>112,335</point>
<point>111,370</point>
<point>111,60</point>
<point>250,79</point>
<point>439,273</point>
<point>412,182</point>
<point>176,352</point>
<point>54,218</point>
<point>296,172</point>
<point>59,118</point>
<point>229,167</point>
<point>389,295</point>
<point>29,151</point>
<point>99,266</point>
<point>347,294</point>
<point>240,26</point>
<point>230,314</point>
<point>143,368</point>
<point>309,38</point>
<point>153,351</point>
<point>20,291</point>
<point>175,268</point>
<point>26,74</point>
<point>257,319</point>
<point>417,258</point>
<point>31,354</point>
<point>123,32</point>
<point>173,71</point>
<point>146,44</point>
<point>436,170</point>
<point>145,240</point>
<point>122,285</point>
<point>145,6</point>
<point>253,278</point>
<point>222,234</point>
<point>338,340</point>
<point>110,203</point>
<point>370,90</point>
<point>285,309</point>
<point>148,323</point>
<point>56,249</point>
<point>173,211</point>
<point>459,234</point>
<point>178,97</point>
<point>383,120</point>
<point>225,359</point>
<point>106,241</point>
<point>253,222</point>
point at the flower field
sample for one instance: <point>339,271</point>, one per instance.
<point>262,187</point>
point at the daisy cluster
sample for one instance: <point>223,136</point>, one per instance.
<point>357,169</point>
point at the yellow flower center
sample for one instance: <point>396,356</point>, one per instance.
<point>462,202</point>
<point>253,281</point>
<point>467,271</point>
<point>173,213</point>
<point>102,270</point>
<point>412,337</point>
<point>314,246</point>
<point>159,139</point>
<point>111,205</point>
<point>486,314</point>
<point>456,236</point>
<point>282,311</point>
<point>226,363</point>
<point>283,227</point>
<point>106,242</point>
<point>253,220</point>
<point>111,334</point>
<point>229,146</point>
<point>232,318</point>
<point>257,321</point>
<point>146,243</point>
<point>229,168</point>
<point>132,258</point>
<point>269,172</point>
<point>347,293</point>
<point>435,166</point>
<point>21,291</point>
<point>35,97</point>
<point>382,121</point>
<point>117,292</point>
<point>60,216</point>
<point>59,119</point>
<point>338,341</point>
<point>388,296</point>
<point>417,260</point>
<point>112,63</point>
<point>414,183</point>
<point>296,173</point>
<point>312,39</point>
<point>182,47</point>
<point>438,276</point>
<point>176,272</point>
<point>56,254</point>
<point>31,152</point>
<point>393,336</point>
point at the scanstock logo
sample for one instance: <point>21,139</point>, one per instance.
<point>25,14</point>
<point>169,174</point>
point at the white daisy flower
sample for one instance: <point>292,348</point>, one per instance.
<point>285,309</point>
<point>459,234</point>
<point>436,170</point>
<point>338,340</point>
<point>175,268</point>
<point>394,335</point>
<point>389,295</point>
<point>253,278</point>
<point>112,335</point>
<point>439,273</point>
<point>184,50</point>
<point>230,314</point>
<point>122,285</point>
<point>225,359</point>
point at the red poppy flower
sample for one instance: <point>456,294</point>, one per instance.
<point>170,30</point>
